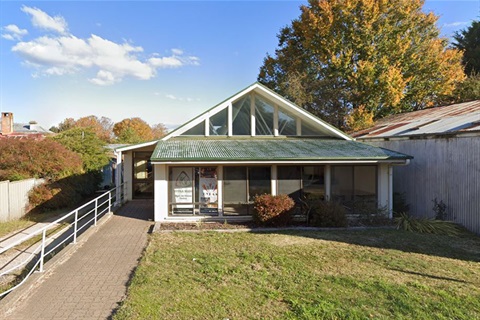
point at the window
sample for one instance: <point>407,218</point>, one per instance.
<point>290,181</point>
<point>198,130</point>
<point>287,125</point>
<point>263,118</point>
<point>355,187</point>
<point>193,190</point>
<point>218,123</point>
<point>241,117</point>
<point>314,181</point>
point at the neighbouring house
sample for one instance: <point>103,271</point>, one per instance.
<point>252,143</point>
<point>12,130</point>
<point>445,142</point>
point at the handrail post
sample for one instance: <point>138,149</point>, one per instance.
<point>42,253</point>
<point>75,227</point>
<point>109,201</point>
<point>96,210</point>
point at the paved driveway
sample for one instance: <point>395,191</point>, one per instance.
<point>93,281</point>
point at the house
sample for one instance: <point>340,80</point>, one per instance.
<point>252,143</point>
<point>12,130</point>
<point>445,142</point>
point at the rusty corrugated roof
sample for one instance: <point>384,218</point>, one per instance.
<point>460,117</point>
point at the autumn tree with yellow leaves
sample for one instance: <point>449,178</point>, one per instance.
<point>381,56</point>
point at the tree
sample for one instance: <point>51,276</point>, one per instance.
<point>87,144</point>
<point>468,40</point>
<point>102,127</point>
<point>159,130</point>
<point>132,130</point>
<point>29,158</point>
<point>342,54</point>
<point>467,90</point>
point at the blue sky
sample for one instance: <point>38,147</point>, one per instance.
<point>162,61</point>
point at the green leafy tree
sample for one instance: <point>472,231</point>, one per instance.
<point>467,90</point>
<point>87,144</point>
<point>342,54</point>
<point>468,40</point>
<point>29,158</point>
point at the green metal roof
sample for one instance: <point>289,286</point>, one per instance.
<point>256,149</point>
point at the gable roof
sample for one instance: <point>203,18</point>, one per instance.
<point>272,96</point>
<point>451,119</point>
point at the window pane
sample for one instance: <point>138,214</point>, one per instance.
<point>259,181</point>
<point>263,118</point>
<point>286,125</point>
<point>234,184</point>
<point>314,181</point>
<point>241,117</point>
<point>198,130</point>
<point>311,130</point>
<point>289,181</point>
<point>182,185</point>
<point>342,184</point>
<point>365,188</point>
<point>218,123</point>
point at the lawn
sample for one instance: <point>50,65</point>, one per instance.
<point>352,274</point>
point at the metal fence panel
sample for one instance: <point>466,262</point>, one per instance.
<point>14,198</point>
<point>4,200</point>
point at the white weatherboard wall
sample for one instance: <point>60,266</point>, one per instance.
<point>14,198</point>
<point>444,168</point>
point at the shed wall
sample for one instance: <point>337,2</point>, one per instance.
<point>447,169</point>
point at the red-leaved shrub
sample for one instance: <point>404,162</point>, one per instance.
<point>273,210</point>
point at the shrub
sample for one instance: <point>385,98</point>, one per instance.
<point>421,225</point>
<point>63,193</point>
<point>440,209</point>
<point>28,158</point>
<point>273,210</point>
<point>327,214</point>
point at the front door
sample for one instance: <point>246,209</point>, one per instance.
<point>142,175</point>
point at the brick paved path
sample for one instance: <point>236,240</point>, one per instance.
<point>92,282</point>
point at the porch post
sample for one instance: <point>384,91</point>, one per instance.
<point>118,178</point>
<point>220,190</point>
<point>328,182</point>
<point>390,192</point>
<point>274,179</point>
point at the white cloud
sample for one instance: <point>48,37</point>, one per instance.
<point>13,32</point>
<point>176,60</point>
<point>104,78</point>
<point>171,96</point>
<point>66,54</point>
<point>177,52</point>
<point>43,21</point>
<point>455,24</point>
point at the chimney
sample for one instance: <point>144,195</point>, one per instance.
<point>7,123</point>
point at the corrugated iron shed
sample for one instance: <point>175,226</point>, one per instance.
<point>451,119</point>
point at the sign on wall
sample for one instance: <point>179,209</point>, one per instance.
<point>208,192</point>
<point>182,179</point>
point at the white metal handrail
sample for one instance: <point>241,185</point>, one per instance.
<point>100,206</point>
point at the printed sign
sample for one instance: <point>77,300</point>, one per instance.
<point>182,188</point>
<point>208,192</point>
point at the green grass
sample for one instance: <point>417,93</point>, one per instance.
<point>25,222</point>
<point>380,274</point>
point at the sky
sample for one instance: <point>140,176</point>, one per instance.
<point>162,61</point>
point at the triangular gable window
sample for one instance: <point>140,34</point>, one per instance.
<point>253,114</point>
<point>241,117</point>
<point>219,123</point>
<point>198,130</point>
